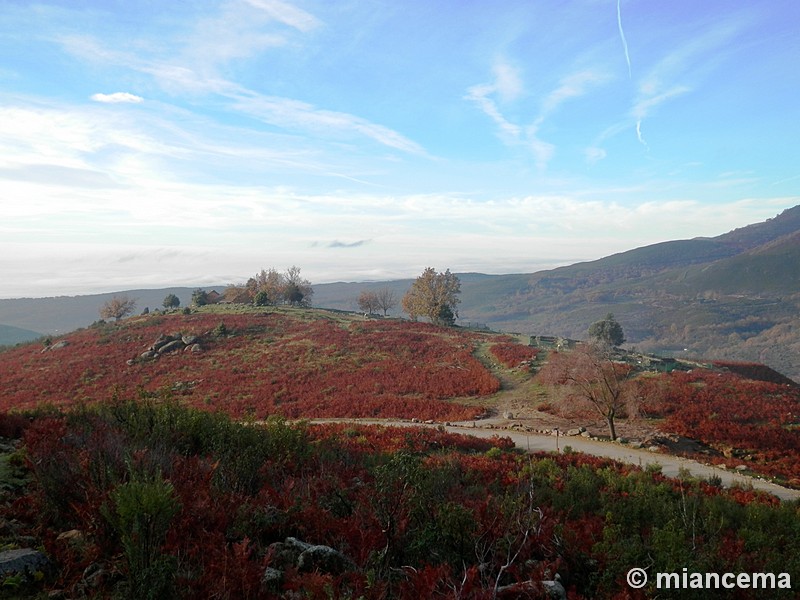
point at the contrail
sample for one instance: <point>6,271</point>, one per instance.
<point>639,135</point>
<point>622,36</point>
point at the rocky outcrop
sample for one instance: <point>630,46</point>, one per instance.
<point>305,557</point>
<point>24,561</point>
<point>167,344</point>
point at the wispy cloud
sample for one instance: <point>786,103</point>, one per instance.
<point>117,98</point>
<point>507,84</point>
<point>680,70</point>
<point>287,14</point>
<point>295,114</point>
<point>338,244</point>
<point>505,87</point>
<point>192,66</point>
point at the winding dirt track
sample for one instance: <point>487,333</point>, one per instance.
<point>671,466</point>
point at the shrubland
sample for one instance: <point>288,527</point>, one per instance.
<point>258,363</point>
<point>148,498</point>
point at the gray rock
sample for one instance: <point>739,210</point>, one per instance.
<point>23,561</point>
<point>171,347</point>
<point>324,559</point>
<point>307,557</point>
<point>555,589</point>
<point>272,579</point>
<point>188,340</point>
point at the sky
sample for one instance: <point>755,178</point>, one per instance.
<point>146,143</point>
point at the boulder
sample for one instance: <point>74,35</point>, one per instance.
<point>306,558</point>
<point>324,559</point>
<point>24,561</point>
<point>554,589</point>
<point>271,580</point>
<point>171,347</point>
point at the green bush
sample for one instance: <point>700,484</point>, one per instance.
<point>140,511</point>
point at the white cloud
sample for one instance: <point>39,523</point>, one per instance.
<point>117,98</point>
<point>294,114</point>
<point>594,154</point>
<point>287,14</point>
<point>571,86</point>
<point>507,84</point>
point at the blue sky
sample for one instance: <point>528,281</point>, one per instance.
<point>146,143</point>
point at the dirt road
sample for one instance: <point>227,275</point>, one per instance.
<point>671,466</point>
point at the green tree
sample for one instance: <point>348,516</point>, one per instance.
<point>607,331</point>
<point>171,301</point>
<point>199,297</point>
<point>298,291</point>
<point>435,296</point>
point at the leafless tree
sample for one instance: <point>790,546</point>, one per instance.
<point>593,376</point>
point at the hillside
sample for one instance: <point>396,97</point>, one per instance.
<point>15,335</point>
<point>152,458</point>
<point>255,363</point>
<point>731,297</point>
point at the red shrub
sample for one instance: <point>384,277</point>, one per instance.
<point>512,354</point>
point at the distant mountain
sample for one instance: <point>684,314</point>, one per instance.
<point>735,296</point>
<point>10,336</point>
<point>61,314</point>
<point>731,297</point>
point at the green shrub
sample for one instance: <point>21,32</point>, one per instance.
<point>140,511</point>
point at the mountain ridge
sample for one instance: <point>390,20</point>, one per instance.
<point>735,296</point>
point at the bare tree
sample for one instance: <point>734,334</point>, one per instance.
<point>591,375</point>
<point>368,302</point>
<point>117,308</point>
<point>386,299</point>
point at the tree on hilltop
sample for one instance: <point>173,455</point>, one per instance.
<point>368,302</point>
<point>298,291</point>
<point>199,297</point>
<point>435,296</point>
<point>386,299</point>
<point>607,331</point>
<point>271,287</point>
<point>117,308</point>
<point>171,301</point>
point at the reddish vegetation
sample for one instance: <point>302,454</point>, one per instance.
<point>268,363</point>
<point>512,354</point>
<point>418,513</point>
<point>739,416</point>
